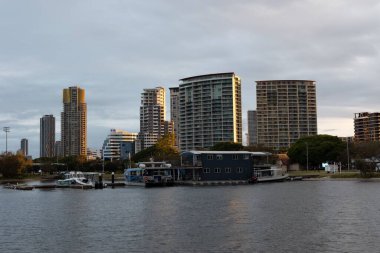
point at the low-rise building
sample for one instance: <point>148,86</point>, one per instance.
<point>112,144</point>
<point>220,165</point>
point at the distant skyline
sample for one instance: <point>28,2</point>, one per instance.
<point>113,49</point>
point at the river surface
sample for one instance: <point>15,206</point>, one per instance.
<point>306,216</point>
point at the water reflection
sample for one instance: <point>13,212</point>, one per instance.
<point>282,217</point>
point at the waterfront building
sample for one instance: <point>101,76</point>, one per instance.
<point>24,147</point>
<point>174,112</point>
<point>111,149</point>
<point>286,110</point>
<point>74,122</point>
<point>209,110</point>
<point>367,127</point>
<point>220,165</point>
<point>252,128</point>
<point>47,136</point>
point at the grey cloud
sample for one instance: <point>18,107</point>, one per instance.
<point>114,49</point>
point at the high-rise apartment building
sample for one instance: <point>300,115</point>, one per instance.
<point>174,111</point>
<point>286,111</point>
<point>24,147</point>
<point>252,128</point>
<point>74,122</point>
<point>152,110</point>
<point>152,118</point>
<point>209,110</point>
<point>47,136</point>
<point>112,144</point>
<point>367,127</point>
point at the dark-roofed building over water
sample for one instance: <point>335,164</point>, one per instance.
<point>221,165</point>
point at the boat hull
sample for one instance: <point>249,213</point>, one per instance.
<point>272,179</point>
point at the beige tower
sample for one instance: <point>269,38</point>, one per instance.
<point>286,111</point>
<point>74,122</point>
<point>152,111</point>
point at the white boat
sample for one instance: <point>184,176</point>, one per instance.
<point>75,178</point>
<point>270,174</point>
<point>150,174</point>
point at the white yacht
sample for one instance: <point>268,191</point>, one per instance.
<point>75,178</point>
<point>270,174</point>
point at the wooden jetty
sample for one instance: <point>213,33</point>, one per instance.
<point>212,183</point>
<point>23,187</point>
<point>118,184</point>
<point>53,186</point>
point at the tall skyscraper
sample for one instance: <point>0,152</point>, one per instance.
<point>252,128</point>
<point>47,136</point>
<point>152,118</point>
<point>367,127</point>
<point>152,110</point>
<point>286,111</point>
<point>209,110</point>
<point>74,122</point>
<point>174,111</point>
<point>24,147</point>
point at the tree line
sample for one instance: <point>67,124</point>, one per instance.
<point>310,151</point>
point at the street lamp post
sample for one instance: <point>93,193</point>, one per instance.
<point>103,161</point>
<point>6,130</point>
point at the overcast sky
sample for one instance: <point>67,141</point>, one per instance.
<point>115,48</point>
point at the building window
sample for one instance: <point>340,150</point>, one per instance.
<point>217,170</point>
<point>206,170</point>
<point>227,170</point>
<point>235,157</point>
<point>246,157</point>
<point>210,157</point>
<point>239,170</point>
<point>219,157</point>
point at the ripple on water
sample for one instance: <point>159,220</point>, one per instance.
<point>282,217</point>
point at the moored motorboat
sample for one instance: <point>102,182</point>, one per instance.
<point>74,178</point>
<point>270,174</point>
<point>150,174</point>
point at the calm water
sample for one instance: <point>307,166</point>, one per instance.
<point>323,216</point>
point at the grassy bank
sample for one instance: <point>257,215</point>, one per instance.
<point>322,174</point>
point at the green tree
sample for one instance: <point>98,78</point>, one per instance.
<point>13,165</point>
<point>366,168</point>
<point>365,150</point>
<point>74,162</point>
<point>163,150</point>
<point>316,149</point>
